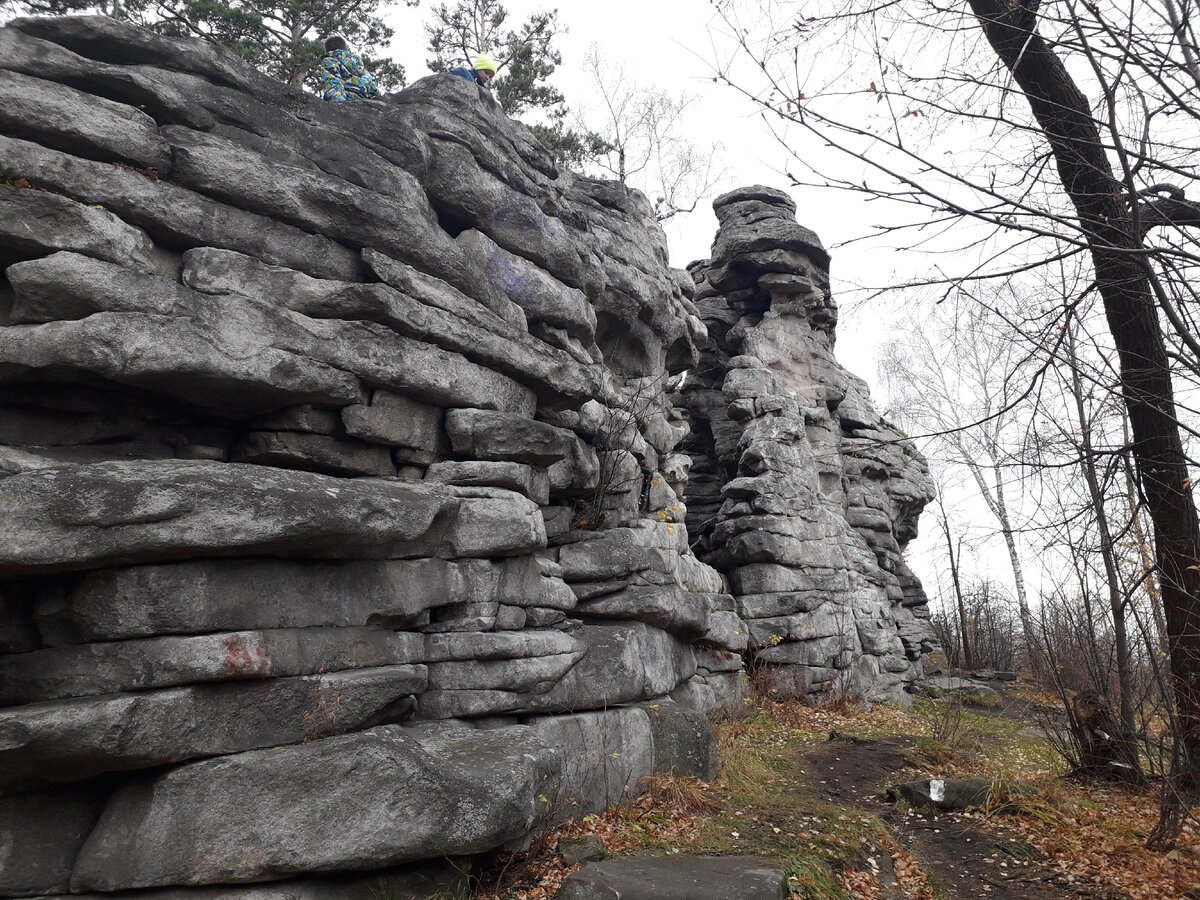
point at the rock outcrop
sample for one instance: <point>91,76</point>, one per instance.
<point>799,492</point>
<point>342,492</point>
<point>333,454</point>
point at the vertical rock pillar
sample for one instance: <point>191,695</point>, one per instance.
<point>799,492</point>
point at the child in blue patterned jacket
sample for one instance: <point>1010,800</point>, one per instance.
<point>343,75</point>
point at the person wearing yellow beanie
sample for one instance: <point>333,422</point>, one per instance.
<point>482,72</point>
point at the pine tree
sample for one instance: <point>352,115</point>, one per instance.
<point>525,59</point>
<point>283,39</point>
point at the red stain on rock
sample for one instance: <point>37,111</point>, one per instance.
<point>244,656</point>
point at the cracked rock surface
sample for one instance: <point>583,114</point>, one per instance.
<point>799,492</point>
<point>350,522</point>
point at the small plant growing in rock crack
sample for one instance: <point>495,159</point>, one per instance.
<point>616,438</point>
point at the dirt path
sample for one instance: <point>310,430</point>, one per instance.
<point>961,859</point>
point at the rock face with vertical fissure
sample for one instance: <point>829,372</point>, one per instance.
<point>342,490</point>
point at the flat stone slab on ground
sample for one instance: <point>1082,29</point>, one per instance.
<point>967,690</point>
<point>588,848</point>
<point>676,878</point>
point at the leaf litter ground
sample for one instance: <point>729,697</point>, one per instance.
<point>804,786</point>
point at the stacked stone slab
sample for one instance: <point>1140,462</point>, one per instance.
<point>799,492</point>
<point>339,491</point>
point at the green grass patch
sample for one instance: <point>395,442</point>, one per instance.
<point>983,742</point>
<point>773,808</point>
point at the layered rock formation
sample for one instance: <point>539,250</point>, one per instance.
<point>800,493</point>
<point>341,490</point>
<point>335,481</point>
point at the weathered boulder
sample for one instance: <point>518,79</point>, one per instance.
<point>533,482</point>
<point>400,223</point>
<point>41,833</point>
<point>240,594</point>
<point>395,420</point>
<point>586,848</point>
<point>473,194</point>
<point>172,215</point>
<point>673,609</point>
<point>102,38</point>
<point>243,352</point>
<point>683,744</point>
<point>80,123</point>
<point>70,740</point>
<point>114,513</point>
<point>605,754</point>
<point>411,303</point>
<point>622,663</point>
<point>354,802</point>
<point>541,296</point>
<point>34,223</point>
<point>532,675</point>
<point>512,645</point>
<point>313,453</point>
<point>620,552</point>
<point>488,435</point>
<point>134,665</point>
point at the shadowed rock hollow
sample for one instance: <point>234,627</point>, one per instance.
<point>341,485</point>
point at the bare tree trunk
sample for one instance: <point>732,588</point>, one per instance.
<point>968,662</point>
<point>297,75</point>
<point>1145,548</point>
<point>1011,542</point>
<point>1063,113</point>
<point>998,504</point>
<point>1116,597</point>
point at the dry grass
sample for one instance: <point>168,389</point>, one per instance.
<point>743,756</point>
<point>689,795</point>
<point>763,804</point>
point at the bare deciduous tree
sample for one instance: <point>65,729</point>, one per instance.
<point>975,115</point>
<point>642,140</point>
<point>959,386</point>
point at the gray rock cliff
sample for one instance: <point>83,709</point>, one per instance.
<point>342,490</point>
<point>333,441</point>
